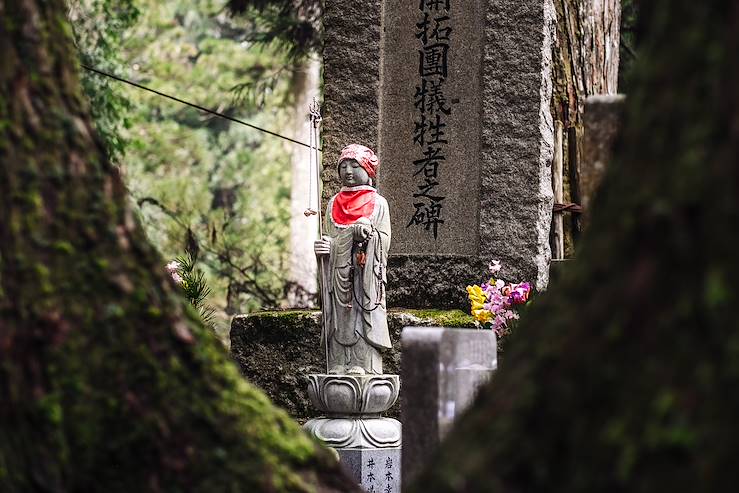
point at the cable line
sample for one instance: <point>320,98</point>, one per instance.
<point>212,112</point>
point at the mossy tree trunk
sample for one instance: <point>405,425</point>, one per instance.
<point>623,375</point>
<point>108,382</point>
<point>585,62</point>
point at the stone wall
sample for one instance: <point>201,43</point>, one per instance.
<point>276,350</point>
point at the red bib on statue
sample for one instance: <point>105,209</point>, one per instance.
<point>350,205</point>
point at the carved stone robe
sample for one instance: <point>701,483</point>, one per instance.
<point>356,313</point>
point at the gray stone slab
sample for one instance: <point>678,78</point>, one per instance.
<point>351,80</point>
<point>375,470</point>
<point>442,370</point>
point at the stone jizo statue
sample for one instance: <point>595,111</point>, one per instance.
<point>357,223</point>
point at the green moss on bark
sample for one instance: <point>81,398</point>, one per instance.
<point>108,380</point>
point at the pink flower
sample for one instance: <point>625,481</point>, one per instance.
<point>173,268</point>
<point>494,266</point>
<point>498,299</point>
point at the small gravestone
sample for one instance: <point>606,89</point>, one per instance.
<point>442,370</point>
<point>602,118</point>
<point>379,470</point>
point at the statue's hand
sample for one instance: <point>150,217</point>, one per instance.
<point>322,246</point>
<point>362,229</point>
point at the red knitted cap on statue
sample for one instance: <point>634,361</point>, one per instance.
<point>363,155</point>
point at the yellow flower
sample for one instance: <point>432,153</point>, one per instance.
<point>477,300</point>
<point>482,316</point>
<point>477,296</point>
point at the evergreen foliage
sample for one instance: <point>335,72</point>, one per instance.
<point>197,178</point>
<point>193,283</point>
<point>294,25</point>
<point>99,29</point>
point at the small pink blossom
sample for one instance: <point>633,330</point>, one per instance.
<point>494,266</point>
<point>173,268</point>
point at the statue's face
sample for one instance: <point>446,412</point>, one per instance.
<point>352,174</point>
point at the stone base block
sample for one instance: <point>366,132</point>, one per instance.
<point>375,470</point>
<point>442,372</point>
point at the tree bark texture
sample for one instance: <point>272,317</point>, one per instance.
<point>586,54</point>
<point>622,376</point>
<point>586,61</point>
<point>108,382</point>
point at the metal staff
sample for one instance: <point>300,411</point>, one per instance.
<point>315,119</point>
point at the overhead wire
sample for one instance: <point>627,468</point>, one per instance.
<point>196,106</point>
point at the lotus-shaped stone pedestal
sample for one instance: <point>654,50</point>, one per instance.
<point>353,394</point>
<point>368,444</point>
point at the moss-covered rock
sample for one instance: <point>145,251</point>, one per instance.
<point>276,349</point>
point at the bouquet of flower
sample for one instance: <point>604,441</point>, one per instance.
<point>493,303</point>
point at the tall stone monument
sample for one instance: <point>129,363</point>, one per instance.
<point>456,94</point>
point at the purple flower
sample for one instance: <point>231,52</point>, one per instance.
<point>520,293</point>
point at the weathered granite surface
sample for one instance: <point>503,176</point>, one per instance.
<point>510,199</point>
<point>351,78</point>
<point>277,350</point>
<point>438,281</point>
<point>517,138</point>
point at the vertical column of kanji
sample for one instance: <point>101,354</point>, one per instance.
<point>434,34</point>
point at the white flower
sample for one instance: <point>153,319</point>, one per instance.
<point>173,266</point>
<point>494,266</point>
<point>177,278</point>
